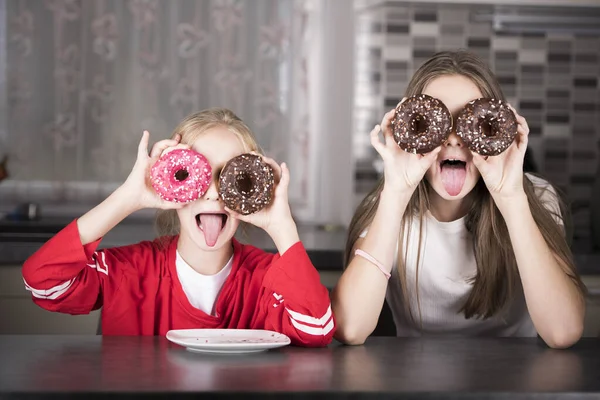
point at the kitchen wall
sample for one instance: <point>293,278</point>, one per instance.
<point>552,78</point>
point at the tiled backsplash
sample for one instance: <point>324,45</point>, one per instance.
<point>552,79</point>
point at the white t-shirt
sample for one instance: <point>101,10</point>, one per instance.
<point>447,262</point>
<point>201,290</point>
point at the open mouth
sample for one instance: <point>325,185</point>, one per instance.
<point>454,173</point>
<point>450,162</point>
<point>211,224</point>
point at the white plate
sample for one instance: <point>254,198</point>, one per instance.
<point>227,340</point>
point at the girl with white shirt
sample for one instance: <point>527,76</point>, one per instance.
<point>490,260</point>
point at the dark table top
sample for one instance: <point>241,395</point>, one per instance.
<point>68,366</point>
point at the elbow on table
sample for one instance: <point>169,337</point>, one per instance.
<point>351,335</point>
<point>565,337</point>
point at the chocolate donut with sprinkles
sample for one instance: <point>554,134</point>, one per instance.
<point>421,123</point>
<point>487,126</point>
<point>246,184</point>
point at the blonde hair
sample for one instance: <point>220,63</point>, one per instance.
<point>190,129</point>
<point>497,276</point>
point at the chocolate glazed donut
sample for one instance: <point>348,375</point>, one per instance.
<point>421,123</point>
<point>246,184</point>
<point>487,126</point>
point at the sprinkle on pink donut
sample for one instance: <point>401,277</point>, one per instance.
<point>181,176</point>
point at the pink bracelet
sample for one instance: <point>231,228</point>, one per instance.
<point>367,256</point>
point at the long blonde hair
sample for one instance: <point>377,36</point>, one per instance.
<point>497,277</point>
<point>190,129</point>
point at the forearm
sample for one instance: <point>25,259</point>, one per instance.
<point>101,219</point>
<point>359,295</point>
<point>284,235</point>
<point>554,301</point>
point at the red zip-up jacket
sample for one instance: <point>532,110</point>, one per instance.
<point>140,294</point>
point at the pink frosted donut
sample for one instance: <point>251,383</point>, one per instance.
<point>181,176</point>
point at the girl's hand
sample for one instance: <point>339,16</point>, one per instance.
<point>276,219</point>
<point>503,174</point>
<point>402,170</point>
<point>138,184</point>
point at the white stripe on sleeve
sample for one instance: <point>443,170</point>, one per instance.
<point>311,320</point>
<point>313,330</point>
<point>51,293</point>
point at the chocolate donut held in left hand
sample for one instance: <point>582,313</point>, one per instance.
<point>181,176</point>
<point>421,123</point>
<point>487,126</point>
<point>247,184</point>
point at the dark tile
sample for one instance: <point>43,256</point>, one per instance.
<point>396,65</point>
<point>375,77</point>
<point>583,155</point>
<point>397,28</point>
<point>589,107</point>
<point>586,58</point>
<point>559,57</point>
<point>532,69</point>
<point>562,94</point>
<point>535,130</point>
<point>533,35</point>
<point>426,16</point>
<point>530,105</point>
<point>506,55</point>
<point>590,82</point>
<point>366,175</point>
<point>557,119</point>
<point>583,179</point>
<point>478,43</point>
<point>423,53</point>
<point>507,80</point>
<point>391,102</point>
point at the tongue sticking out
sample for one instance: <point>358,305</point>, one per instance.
<point>211,226</point>
<point>453,178</point>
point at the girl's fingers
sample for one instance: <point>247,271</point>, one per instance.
<point>143,146</point>
<point>179,146</point>
<point>480,162</point>
<point>375,142</point>
<point>161,146</point>
<point>387,126</point>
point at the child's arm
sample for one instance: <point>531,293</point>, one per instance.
<point>359,295</point>
<point>554,301</point>
<point>67,274</point>
<point>293,301</point>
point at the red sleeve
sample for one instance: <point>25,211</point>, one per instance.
<point>296,302</point>
<point>65,276</point>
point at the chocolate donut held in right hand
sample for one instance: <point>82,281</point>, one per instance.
<point>487,126</point>
<point>247,184</point>
<point>421,123</point>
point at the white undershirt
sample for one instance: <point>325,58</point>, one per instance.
<point>201,290</point>
<point>447,262</point>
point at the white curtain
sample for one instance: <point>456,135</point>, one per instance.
<point>85,77</point>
